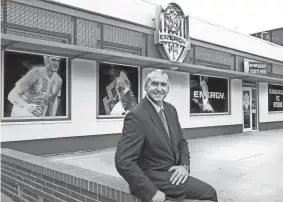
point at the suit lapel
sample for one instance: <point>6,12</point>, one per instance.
<point>157,122</point>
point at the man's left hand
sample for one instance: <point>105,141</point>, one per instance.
<point>180,175</point>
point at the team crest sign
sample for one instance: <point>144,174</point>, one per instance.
<point>172,34</point>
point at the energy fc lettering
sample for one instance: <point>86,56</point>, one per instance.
<point>172,33</point>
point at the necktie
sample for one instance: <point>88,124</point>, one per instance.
<point>163,119</point>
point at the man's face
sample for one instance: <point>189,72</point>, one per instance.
<point>53,63</point>
<point>157,88</point>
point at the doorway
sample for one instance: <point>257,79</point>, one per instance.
<point>250,109</point>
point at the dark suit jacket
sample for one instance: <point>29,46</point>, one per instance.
<point>145,153</point>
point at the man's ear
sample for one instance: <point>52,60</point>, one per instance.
<point>145,87</point>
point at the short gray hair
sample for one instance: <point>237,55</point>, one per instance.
<point>150,74</point>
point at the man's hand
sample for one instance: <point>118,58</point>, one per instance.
<point>180,175</point>
<point>158,197</point>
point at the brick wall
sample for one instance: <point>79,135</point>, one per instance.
<point>26,177</point>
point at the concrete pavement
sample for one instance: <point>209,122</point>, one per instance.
<point>241,167</point>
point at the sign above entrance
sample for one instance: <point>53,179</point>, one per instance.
<point>255,67</point>
<point>172,32</point>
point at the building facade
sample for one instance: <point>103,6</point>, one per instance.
<point>221,82</point>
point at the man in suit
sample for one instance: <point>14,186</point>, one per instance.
<point>152,154</point>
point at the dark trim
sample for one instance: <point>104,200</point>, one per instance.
<point>234,63</point>
<point>194,54</point>
<point>93,13</point>
<point>101,35</point>
<point>233,51</point>
<point>212,64</point>
<point>190,133</point>
<point>121,46</point>
<point>98,142</point>
<point>63,145</point>
<point>38,31</point>
<point>270,36</point>
<point>270,125</point>
<point>146,45</point>
<point>4,5</point>
<point>75,27</point>
<point>270,30</point>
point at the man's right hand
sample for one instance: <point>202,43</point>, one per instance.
<point>158,197</point>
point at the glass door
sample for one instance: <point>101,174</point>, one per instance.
<point>254,110</point>
<point>247,110</point>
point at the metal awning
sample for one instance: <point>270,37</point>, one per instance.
<point>99,55</point>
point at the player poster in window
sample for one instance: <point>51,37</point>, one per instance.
<point>209,95</point>
<point>35,86</point>
<point>118,89</point>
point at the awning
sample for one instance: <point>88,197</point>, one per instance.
<point>99,55</point>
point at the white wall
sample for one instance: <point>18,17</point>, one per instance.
<point>83,109</point>
<point>264,115</point>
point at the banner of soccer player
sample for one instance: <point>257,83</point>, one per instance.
<point>275,98</point>
<point>35,87</point>
<point>118,89</point>
<point>209,95</point>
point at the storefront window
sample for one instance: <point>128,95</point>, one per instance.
<point>35,87</point>
<point>118,89</point>
<point>209,95</point>
<point>275,98</point>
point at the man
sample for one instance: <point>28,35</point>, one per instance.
<point>37,91</point>
<point>152,155</point>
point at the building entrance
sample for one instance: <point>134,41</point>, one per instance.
<point>250,109</point>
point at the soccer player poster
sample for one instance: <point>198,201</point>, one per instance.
<point>35,86</point>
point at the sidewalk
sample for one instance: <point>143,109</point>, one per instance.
<point>242,167</point>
